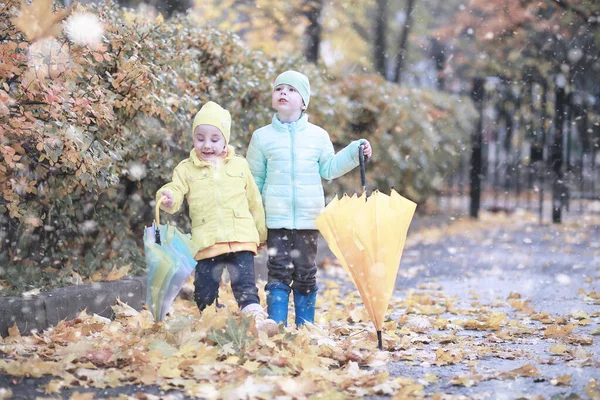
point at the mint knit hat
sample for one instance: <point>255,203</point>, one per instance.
<point>298,81</point>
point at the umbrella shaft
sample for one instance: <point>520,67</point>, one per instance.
<point>361,162</point>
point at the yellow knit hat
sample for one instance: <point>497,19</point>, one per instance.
<point>213,114</point>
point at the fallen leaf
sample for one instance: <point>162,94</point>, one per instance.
<point>448,356</point>
<point>466,381</point>
<point>593,390</point>
<point>581,339</point>
<point>563,380</point>
<point>13,332</point>
<point>558,330</point>
<point>52,387</point>
<point>527,370</point>
<point>558,349</point>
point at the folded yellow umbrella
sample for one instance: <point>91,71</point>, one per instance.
<point>367,235</point>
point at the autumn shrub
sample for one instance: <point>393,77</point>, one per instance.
<point>89,131</point>
<point>419,134</point>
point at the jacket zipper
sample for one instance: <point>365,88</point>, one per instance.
<point>219,203</point>
<point>292,129</point>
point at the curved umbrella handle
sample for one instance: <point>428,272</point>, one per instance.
<point>157,219</point>
<point>157,209</point>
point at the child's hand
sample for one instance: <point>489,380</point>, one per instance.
<point>367,150</point>
<point>168,199</point>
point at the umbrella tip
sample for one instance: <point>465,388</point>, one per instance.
<point>379,340</point>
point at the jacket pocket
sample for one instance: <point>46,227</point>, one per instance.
<point>197,177</point>
<point>244,226</point>
<point>242,215</point>
<point>236,174</point>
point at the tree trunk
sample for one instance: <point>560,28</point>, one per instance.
<point>438,53</point>
<point>403,47</point>
<point>313,30</point>
<point>477,95</point>
<point>558,186</point>
<point>380,46</point>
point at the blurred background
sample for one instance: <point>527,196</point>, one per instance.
<point>469,105</point>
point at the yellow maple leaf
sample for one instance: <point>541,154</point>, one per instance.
<point>558,349</point>
<point>14,332</point>
<point>466,381</point>
<point>527,370</point>
<point>38,21</point>
<point>118,273</point>
<point>558,330</point>
<point>54,386</point>
<point>445,356</point>
<point>593,389</point>
<point>563,380</point>
<point>169,368</point>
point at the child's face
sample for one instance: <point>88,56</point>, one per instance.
<point>286,99</point>
<point>209,142</point>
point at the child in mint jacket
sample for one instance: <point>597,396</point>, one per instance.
<point>225,206</point>
<point>288,158</point>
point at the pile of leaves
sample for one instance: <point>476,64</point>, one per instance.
<point>434,343</point>
<point>95,114</point>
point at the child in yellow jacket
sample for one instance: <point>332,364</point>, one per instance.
<point>225,206</point>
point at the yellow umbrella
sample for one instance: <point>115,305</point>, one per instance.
<point>367,235</point>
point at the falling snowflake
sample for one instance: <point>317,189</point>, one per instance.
<point>84,29</point>
<point>575,55</point>
<point>88,227</point>
<point>137,171</point>
<point>563,279</point>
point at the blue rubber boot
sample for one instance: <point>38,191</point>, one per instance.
<point>278,297</point>
<point>305,304</point>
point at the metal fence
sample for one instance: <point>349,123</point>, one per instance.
<point>520,159</point>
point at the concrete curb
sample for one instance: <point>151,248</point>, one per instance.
<point>40,312</point>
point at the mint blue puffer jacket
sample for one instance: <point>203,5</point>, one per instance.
<point>288,161</point>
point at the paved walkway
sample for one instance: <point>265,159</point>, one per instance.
<point>544,279</point>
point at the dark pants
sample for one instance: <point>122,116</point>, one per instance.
<point>292,254</point>
<point>241,270</point>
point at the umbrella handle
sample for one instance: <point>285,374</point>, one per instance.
<point>157,209</point>
<point>362,161</point>
<point>157,219</point>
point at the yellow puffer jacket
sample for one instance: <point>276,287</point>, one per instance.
<point>224,202</point>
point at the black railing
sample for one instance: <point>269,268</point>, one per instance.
<point>525,156</point>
